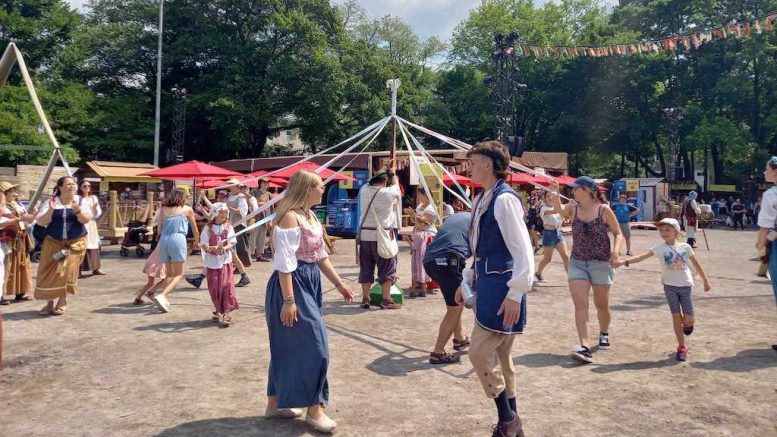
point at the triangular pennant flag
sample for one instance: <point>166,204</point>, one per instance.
<point>758,26</point>
<point>747,29</point>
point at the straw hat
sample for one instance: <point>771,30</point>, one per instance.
<point>5,186</point>
<point>236,182</point>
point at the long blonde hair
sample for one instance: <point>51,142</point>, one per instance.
<point>296,193</point>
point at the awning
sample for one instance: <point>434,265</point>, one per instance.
<point>122,171</point>
<point>555,161</point>
<point>721,188</point>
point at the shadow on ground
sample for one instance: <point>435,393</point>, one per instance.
<point>639,304</point>
<point>22,315</point>
<point>175,327</point>
<point>545,360</point>
<point>635,366</point>
<point>744,361</point>
<point>240,426</point>
<point>399,362</point>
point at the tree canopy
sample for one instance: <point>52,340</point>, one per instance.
<point>254,67</point>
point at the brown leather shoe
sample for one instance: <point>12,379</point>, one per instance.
<point>514,428</point>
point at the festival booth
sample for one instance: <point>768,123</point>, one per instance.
<point>650,195</point>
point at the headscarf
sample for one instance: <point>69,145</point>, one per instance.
<point>216,207</point>
<point>692,195</point>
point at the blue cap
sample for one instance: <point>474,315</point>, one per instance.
<point>584,181</point>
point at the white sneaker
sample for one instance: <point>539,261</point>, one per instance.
<point>161,302</point>
<point>604,341</point>
<point>283,413</point>
<point>583,354</point>
<point>323,424</point>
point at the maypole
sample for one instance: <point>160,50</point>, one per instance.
<point>394,85</point>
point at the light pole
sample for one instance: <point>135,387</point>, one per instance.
<point>158,82</point>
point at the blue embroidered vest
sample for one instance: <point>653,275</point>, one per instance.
<point>65,226</point>
<point>493,268</point>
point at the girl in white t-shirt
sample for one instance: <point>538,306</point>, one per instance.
<point>216,243</point>
<point>677,276</point>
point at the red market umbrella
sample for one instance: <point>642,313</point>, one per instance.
<point>278,182</point>
<point>526,179</point>
<point>457,178</point>
<point>565,180</point>
<point>288,172</point>
<point>191,170</point>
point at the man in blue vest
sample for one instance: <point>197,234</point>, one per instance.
<point>502,273</point>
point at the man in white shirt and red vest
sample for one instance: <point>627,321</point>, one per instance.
<point>503,270</point>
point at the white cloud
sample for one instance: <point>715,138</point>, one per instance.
<point>426,17</point>
<point>77,4</point>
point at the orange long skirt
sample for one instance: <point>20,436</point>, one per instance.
<point>18,273</point>
<point>56,278</point>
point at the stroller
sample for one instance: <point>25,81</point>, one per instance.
<point>135,235</point>
<point>38,234</point>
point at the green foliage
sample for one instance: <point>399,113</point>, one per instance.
<point>254,67</point>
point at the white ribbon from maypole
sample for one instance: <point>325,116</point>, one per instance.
<point>430,158</point>
<point>277,198</point>
<point>363,132</point>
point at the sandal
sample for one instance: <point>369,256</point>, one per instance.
<point>226,321</point>
<point>58,311</point>
<point>46,310</point>
<point>215,317</point>
<point>23,297</point>
<point>460,345</point>
<point>443,358</point>
<point>411,294</point>
<point>4,302</point>
<point>389,305</point>
<point>365,303</point>
<point>422,293</point>
<point>138,301</point>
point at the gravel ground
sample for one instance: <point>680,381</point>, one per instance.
<point>109,368</point>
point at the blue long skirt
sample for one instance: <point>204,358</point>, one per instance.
<point>299,356</point>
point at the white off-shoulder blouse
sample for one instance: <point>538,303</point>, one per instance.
<point>303,243</point>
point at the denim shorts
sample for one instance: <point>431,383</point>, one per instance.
<point>552,237</point>
<point>595,272</point>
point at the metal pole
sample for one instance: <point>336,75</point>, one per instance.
<point>394,85</point>
<point>158,82</point>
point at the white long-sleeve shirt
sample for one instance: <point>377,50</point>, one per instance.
<point>508,212</point>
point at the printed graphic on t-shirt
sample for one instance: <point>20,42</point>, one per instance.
<point>676,261</point>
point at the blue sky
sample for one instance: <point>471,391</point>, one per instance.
<point>427,17</point>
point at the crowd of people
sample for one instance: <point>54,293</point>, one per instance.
<point>482,258</point>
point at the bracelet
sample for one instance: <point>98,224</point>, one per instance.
<point>289,300</point>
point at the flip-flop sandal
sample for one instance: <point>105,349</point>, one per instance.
<point>138,301</point>
<point>215,317</point>
<point>46,310</point>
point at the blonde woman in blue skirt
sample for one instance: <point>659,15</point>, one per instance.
<point>299,348</point>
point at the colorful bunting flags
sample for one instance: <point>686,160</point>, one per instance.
<point>670,44</point>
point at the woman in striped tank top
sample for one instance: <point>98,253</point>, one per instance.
<point>592,260</point>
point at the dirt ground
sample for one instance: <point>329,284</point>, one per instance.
<point>108,368</point>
